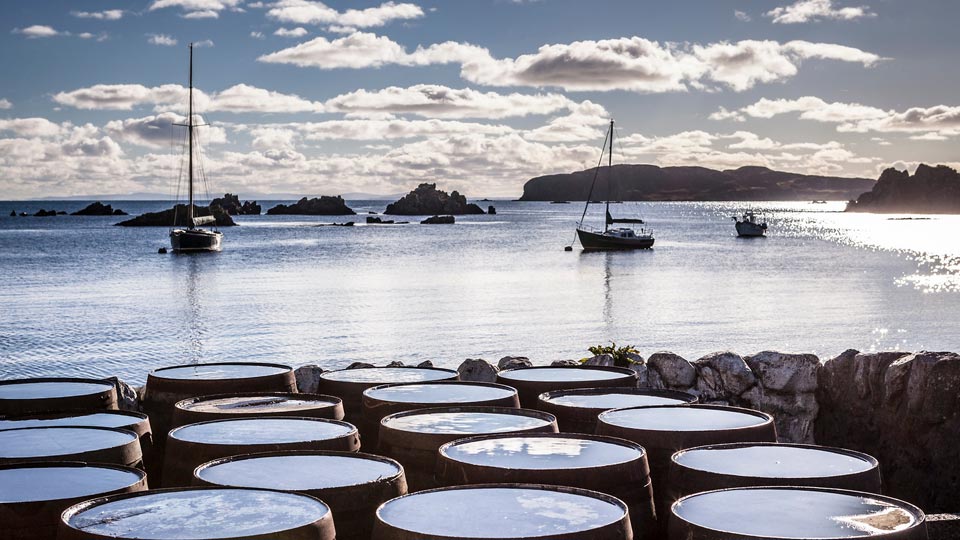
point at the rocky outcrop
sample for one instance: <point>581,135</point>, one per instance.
<point>511,362</point>
<point>324,206</point>
<point>99,209</point>
<point>477,370</point>
<point>428,200</point>
<point>438,220</point>
<point>931,190</point>
<point>308,378</point>
<point>903,409</point>
<point>603,360</point>
<point>491,210</point>
<point>673,370</point>
<point>231,203</point>
<point>653,183</point>
<point>177,217</point>
<point>48,213</point>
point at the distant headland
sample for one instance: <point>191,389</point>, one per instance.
<point>931,190</point>
<point>653,183</point>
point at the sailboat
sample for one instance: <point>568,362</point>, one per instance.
<point>611,237</point>
<point>193,238</point>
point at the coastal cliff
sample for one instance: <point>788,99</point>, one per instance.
<point>653,183</point>
<point>428,200</point>
<point>930,190</point>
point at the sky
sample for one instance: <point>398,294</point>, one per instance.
<point>306,97</point>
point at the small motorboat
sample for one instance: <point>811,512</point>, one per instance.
<point>749,225</point>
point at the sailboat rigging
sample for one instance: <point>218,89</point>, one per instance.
<point>616,237</point>
<point>193,238</point>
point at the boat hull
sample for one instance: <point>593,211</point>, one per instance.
<point>745,228</point>
<point>597,241</point>
<point>195,240</point>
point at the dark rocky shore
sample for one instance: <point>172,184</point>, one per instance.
<point>427,200</point>
<point>231,203</point>
<point>166,217</point>
<point>323,206</point>
<point>99,209</point>
<point>930,190</point>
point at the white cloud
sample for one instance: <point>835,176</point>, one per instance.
<point>803,11</point>
<point>37,31</point>
<point>257,35</point>
<point>936,121</point>
<point>30,127</point>
<point>309,12</point>
<point>634,64</point>
<point>5,104</point>
<point>196,8</point>
<point>236,99</point>
<point>106,15</point>
<point>203,43</point>
<point>159,131</point>
<point>741,16</point>
<point>201,14</point>
<point>161,39</point>
<point>292,32</point>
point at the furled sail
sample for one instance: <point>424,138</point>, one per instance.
<point>204,220</point>
<point>611,220</point>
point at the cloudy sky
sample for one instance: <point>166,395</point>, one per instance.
<point>308,97</point>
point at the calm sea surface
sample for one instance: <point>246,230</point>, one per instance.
<point>79,296</point>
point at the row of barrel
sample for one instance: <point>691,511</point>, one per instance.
<point>545,453</point>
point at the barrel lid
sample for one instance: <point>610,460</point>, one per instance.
<point>615,398</point>
<point>562,374</point>
<point>60,441</point>
<point>61,480</point>
<point>467,420</point>
<point>383,375</point>
<point>684,418</point>
<point>209,513</point>
<point>110,419</point>
<point>773,460</point>
<point>220,371</point>
<point>299,470</point>
<point>501,511</point>
<point>439,392</point>
<point>793,512</point>
<point>542,451</point>
<point>49,388</point>
<point>266,430</point>
<point>257,403</point>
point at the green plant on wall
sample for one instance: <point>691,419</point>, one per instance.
<point>620,354</point>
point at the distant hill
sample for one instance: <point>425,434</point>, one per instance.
<point>931,190</point>
<point>653,183</point>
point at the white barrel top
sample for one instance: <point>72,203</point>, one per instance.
<point>499,512</point>
<point>548,374</point>
<point>388,375</point>
<point>214,372</point>
<point>440,393</point>
<point>545,453</point>
<point>299,472</point>
<point>254,404</point>
<point>27,389</point>
<point>464,422</point>
<point>37,483</point>
<point>59,441</point>
<point>794,513</point>
<point>110,419</point>
<point>196,513</point>
<point>610,400</point>
<point>772,461</point>
<point>267,430</point>
<point>681,418</point>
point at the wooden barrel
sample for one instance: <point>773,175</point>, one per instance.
<point>33,495</point>
<point>718,466</point>
<point>174,514</point>
<point>577,409</point>
<point>71,443</point>
<point>55,394</point>
<point>605,464</point>
<point>386,399</point>
<point>349,384</point>
<point>352,484</point>
<point>254,405</point>
<point>133,421</point>
<point>530,382</point>
<point>515,511</point>
<point>194,444</point>
<point>414,437</point>
<point>794,512</point>
<point>664,429</point>
<point>166,386</point>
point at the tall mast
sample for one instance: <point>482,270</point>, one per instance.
<point>609,177</point>
<point>190,136</point>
